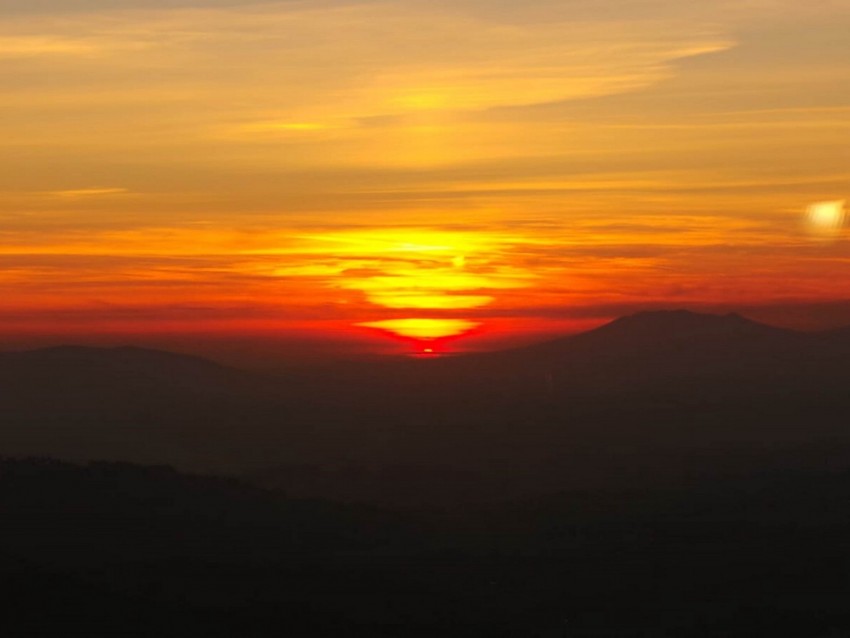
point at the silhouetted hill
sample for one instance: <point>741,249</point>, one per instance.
<point>651,397</point>
<point>115,369</point>
<point>113,549</point>
<point>670,352</point>
<point>656,328</point>
<point>106,511</point>
<point>838,338</point>
<point>651,337</point>
<point>666,474</point>
<point>125,403</point>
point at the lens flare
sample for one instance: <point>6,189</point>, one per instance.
<point>826,218</point>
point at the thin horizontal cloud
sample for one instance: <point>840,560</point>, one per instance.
<point>12,47</point>
<point>79,193</point>
<point>14,7</point>
<point>469,62</point>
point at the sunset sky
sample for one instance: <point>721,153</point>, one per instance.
<point>340,171</point>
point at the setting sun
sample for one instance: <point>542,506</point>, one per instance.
<point>230,168</point>
<point>402,318</point>
<point>424,329</point>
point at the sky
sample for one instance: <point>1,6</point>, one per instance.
<point>462,174</point>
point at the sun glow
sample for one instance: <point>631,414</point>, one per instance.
<point>387,241</point>
<point>237,166</point>
<point>827,218</point>
<point>423,269</point>
<point>424,329</point>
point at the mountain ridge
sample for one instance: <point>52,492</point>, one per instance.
<point>657,384</point>
<point>657,324</point>
<point>128,352</point>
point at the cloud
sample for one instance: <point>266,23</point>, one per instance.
<point>89,192</point>
<point>367,60</point>
<point>16,7</point>
<point>12,47</point>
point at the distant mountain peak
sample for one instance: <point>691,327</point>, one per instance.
<point>126,353</point>
<point>683,320</point>
<point>680,313</point>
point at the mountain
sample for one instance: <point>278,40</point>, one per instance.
<point>661,333</point>
<point>120,511</point>
<point>666,474</point>
<point>106,370</point>
<point>661,349</point>
<point>125,403</point>
<point>107,549</point>
<point>650,397</point>
<point>838,338</point>
<point>115,549</point>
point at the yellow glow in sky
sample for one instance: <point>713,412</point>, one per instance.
<point>827,218</point>
<point>422,268</point>
<point>423,329</point>
<point>350,162</point>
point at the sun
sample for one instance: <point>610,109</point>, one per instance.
<point>425,337</point>
<point>424,329</point>
<point>420,271</point>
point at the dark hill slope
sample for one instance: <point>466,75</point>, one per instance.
<point>105,511</point>
<point>119,550</point>
<point>123,370</point>
<point>134,404</point>
<point>671,351</point>
<point>111,549</point>
<point>650,396</point>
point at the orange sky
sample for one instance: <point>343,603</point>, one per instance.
<point>336,170</point>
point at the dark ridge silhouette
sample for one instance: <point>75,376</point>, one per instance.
<point>662,352</point>
<point>127,354</point>
<point>684,329</point>
<point>668,474</point>
<point>104,511</point>
<point>839,337</point>
<point>665,325</point>
<point>110,549</point>
<point>653,334</point>
<point>649,398</point>
<point>115,547</point>
<point>147,369</point>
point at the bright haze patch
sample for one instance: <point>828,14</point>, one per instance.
<point>425,336</point>
<point>422,268</point>
<point>826,219</point>
<point>416,269</point>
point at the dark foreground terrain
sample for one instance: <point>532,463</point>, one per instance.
<point>110,549</point>
<point>669,474</point>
